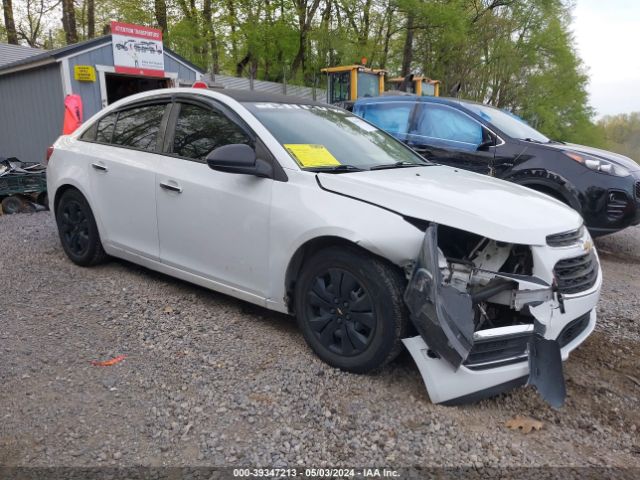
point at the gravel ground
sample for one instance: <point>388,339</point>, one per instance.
<point>209,380</point>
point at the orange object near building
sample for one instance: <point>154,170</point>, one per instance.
<point>72,114</point>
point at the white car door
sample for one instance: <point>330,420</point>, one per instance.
<point>211,224</point>
<point>122,166</point>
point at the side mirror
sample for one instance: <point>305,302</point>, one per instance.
<point>238,158</point>
<point>488,140</point>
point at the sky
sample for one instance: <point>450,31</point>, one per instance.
<point>607,36</point>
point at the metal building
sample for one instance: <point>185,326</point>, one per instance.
<point>12,53</point>
<point>33,88</point>
<point>237,83</point>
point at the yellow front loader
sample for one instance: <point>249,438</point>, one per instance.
<point>347,83</point>
<point>415,84</point>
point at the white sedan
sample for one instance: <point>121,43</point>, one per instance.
<point>306,209</point>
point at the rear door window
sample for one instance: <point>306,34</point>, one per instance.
<point>200,130</point>
<point>443,123</point>
<point>104,129</point>
<point>392,117</point>
<point>139,127</point>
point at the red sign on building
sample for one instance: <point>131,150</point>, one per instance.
<point>137,50</point>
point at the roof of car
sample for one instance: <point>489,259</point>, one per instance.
<point>241,96</point>
<point>415,98</point>
<point>258,96</point>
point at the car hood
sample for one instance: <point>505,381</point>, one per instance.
<point>468,201</point>
<point>621,160</point>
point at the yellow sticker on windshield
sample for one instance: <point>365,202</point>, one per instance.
<point>309,155</point>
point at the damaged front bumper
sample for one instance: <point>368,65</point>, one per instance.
<point>461,363</point>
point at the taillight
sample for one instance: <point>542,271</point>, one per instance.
<point>49,153</point>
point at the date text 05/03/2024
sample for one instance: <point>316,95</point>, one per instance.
<point>316,472</point>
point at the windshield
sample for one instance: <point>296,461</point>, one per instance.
<point>508,123</point>
<point>328,137</point>
<point>368,85</point>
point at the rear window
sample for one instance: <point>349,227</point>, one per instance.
<point>104,131</point>
<point>138,127</point>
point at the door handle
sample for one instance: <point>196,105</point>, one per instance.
<point>173,187</point>
<point>100,167</point>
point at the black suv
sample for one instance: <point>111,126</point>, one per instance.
<point>602,186</point>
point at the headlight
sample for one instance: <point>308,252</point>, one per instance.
<point>602,166</point>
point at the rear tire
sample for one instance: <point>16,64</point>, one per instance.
<point>78,230</point>
<point>350,308</point>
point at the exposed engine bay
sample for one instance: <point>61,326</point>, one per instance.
<point>471,264</point>
<point>470,297</point>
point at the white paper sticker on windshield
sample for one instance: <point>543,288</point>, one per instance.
<point>362,124</point>
<point>295,106</point>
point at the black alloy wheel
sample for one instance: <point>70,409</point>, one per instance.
<point>77,229</point>
<point>341,313</point>
<point>74,227</point>
<point>350,307</point>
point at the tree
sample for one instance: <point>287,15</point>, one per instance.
<point>91,18</point>
<point>407,51</point>
<point>517,55</point>
<point>305,10</point>
<point>9,23</point>
<point>160,10</point>
<point>33,16</point>
<point>69,21</point>
<point>621,133</point>
<point>210,35</point>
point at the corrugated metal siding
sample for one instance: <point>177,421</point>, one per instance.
<point>264,86</point>
<point>31,112</point>
<point>13,53</point>
<point>184,73</point>
<point>90,91</point>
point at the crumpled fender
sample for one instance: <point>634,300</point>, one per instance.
<point>444,318</point>
<point>441,313</point>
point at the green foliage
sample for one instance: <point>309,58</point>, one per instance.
<point>514,54</point>
<point>622,134</point>
<point>517,56</point>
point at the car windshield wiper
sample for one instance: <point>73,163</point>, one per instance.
<point>335,169</point>
<point>533,140</point>
<point>400,164</point>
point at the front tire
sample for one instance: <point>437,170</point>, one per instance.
<point>350,308</point>
<point>78,230</point>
